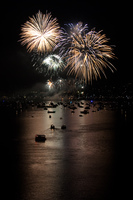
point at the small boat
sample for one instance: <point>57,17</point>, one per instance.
<point>87,107</point>
<point>63,126</point>
<point>80,105</point>
<point>72,111</point>
<point>72,107</point>
<point>51,111</point>
<point>52,126</point>
<point>40,138</point>
<point>84,112</point>
<point>52,105</point>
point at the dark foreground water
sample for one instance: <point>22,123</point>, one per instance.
<point>90,159</point>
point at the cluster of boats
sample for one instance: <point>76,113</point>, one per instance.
<point>42,138</point>
<point>70,106</point>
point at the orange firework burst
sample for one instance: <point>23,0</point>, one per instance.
<point>87,53</point>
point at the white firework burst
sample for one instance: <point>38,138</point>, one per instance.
<point>40,33</point>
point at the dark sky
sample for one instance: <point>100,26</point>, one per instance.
<point>113,19</point>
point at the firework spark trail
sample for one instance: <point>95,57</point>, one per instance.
<point>40,33</point>
<point>87,53</point>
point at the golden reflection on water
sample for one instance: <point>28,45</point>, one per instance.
<point>78,159</point>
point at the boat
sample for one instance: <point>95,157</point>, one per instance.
<point>72,107</point>
<point>52,126</point>
<point>80,105</point>
<point>63,126</point>
<point>84,112</point>
<point>87,107</point>
<point>72,111</point>
<point>40,138</point>
<point>51,111</point>
<point>51,105</point>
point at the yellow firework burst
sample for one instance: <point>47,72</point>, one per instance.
<point>40,33</point>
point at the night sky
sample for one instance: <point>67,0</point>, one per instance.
<point>16,69</point>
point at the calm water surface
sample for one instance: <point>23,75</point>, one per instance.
<point>87,160</point>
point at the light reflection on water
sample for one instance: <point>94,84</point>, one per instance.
<point>75,163</point>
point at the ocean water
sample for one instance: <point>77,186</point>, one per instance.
<point>90,159</point>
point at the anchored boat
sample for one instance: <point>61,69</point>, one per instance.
<point>40,138</point>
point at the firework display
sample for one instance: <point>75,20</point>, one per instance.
<point>85,53</point>
<point>40,33</point>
